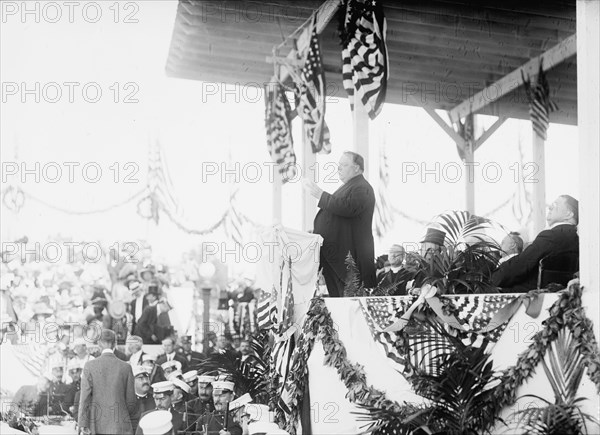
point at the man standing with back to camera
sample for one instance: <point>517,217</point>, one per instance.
<point>345,221</point>
<point>107,400</point>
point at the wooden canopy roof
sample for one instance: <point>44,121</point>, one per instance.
<point>441,52</point>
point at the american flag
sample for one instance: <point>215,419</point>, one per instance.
<point>32,356</point>
<point>278,123</point>
<point>311,97</point>
<point>282,358</point>
<point>474,313</point>
<point>159,180</point>
<point>540,104</point>
<point>364,54</point>
<point>384,218</point>
<point>287,313</point>
<point>234,223</point>
<point>266,311</point>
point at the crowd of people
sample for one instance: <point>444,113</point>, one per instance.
<point>113,361</point>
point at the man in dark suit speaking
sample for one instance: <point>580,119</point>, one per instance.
<point>345,222</point>
<point>107,400</point>
<point>519,274</point>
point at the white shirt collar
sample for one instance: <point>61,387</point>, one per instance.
<point>108,351</point>
<point>395,269</point>
<point>555,224</point>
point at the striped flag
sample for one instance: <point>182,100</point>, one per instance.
<point>266,311</point>
<point>234,223</point>
<point>364,54</point>
<point>32,356</point>
<point>540,104</point>
<point>311,97</point>
<point>384,218</point>
<point>287,313</point>
<point>278,123</point>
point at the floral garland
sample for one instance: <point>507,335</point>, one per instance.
<point>567,311</point>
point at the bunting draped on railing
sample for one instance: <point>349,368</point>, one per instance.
<point>365,66</point>
<point>310,95</point>
<point>540,104</point>
<point>278,123</point>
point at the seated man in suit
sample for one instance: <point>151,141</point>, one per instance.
<point>519,274</point>
<point>394,280</point>
<point>511,245</point>
<point>171,354</point>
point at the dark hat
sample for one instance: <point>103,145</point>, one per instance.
<point>434,236</point>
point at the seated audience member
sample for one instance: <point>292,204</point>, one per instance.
<point>171,354</point>
<point>433,242</point>
<point>511,245</point>
<point>519,274</point>
<point>155,371</point>
<point>394,280</point>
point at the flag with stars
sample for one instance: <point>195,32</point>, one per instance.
<point>364,54</point>
<point>311,97</point>
<point>287,314</point>
<point>278,123</point>
<point>473,312</point>
<point>540,104</point>
<point>266,311</point>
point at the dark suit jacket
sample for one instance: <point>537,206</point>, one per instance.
<point>149,325</point>
<point>134,310</point>
<point>163,358</point>
<point>107,401</point>
<point>345,221</point>
<point>519,274</point>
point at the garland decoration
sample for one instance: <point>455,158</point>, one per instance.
<point>567,311</point>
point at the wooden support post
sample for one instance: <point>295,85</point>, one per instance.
<point>277,198</point>
<point>205,318</point>
<point>360,130</point>
<point>539,186</point>
<point>469,177</point>
<point>588,121</point>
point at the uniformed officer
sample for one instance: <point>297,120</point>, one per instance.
<point>220,422</point>
<point>157,423</point>
<point>162,393</point>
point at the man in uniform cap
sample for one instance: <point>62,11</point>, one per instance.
<point>143,393</point>
<point>156,372</point>
<point>203,403</point>
<point>58,388</point>
<point>73,390</point>
<point>215,422</point>
<point>156,423</point>
<point>169,367</point>
<point>192,357</point>
<point>162,393</point>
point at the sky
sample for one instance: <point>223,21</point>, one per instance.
<point>138,105</point>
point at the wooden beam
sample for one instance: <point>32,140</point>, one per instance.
<point>513,80</point>
<point>449,130</point>
<point>539,186</point>
<point>324,15</point>
<point>486,134</point>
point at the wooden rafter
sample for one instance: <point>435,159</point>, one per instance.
<point>513,80</point>
<point>486,134</point>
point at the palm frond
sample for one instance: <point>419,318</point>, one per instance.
<point>353,285</point>
<point>564,368</point>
